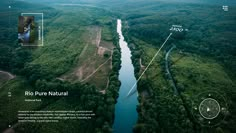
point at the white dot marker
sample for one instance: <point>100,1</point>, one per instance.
<point>9,125</point>
<point>9,6</point>
<point>208,109</point>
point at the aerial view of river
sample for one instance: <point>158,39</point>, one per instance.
<point>125,109</point>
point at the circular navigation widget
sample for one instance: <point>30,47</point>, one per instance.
<point>209,108</point>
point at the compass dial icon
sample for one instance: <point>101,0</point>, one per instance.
<point>209,108</point>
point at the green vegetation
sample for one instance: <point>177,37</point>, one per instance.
<point>204,61</point>
<point>39,68</point>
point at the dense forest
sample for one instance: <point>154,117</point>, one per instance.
<point>33,74</point>
<point>203,61</point>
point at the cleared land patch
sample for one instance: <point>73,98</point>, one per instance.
<point>92,66</point>
<point>5,76</point>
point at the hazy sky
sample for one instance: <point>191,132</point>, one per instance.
<point>97,1</point>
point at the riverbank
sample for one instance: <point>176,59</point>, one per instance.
<point>125,108</point>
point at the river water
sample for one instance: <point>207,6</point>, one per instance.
<point>125,108</point>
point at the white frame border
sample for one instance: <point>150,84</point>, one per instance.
<point>42,29</point>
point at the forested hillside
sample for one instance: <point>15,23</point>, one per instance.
<point>82,37</point>
<point>203,60</point>
<point>68,32</point>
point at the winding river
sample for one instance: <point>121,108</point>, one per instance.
<point>125,108</point>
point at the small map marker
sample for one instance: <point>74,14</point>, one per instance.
<point>208,109</point>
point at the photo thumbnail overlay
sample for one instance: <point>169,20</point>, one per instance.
<point>30,29</point>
